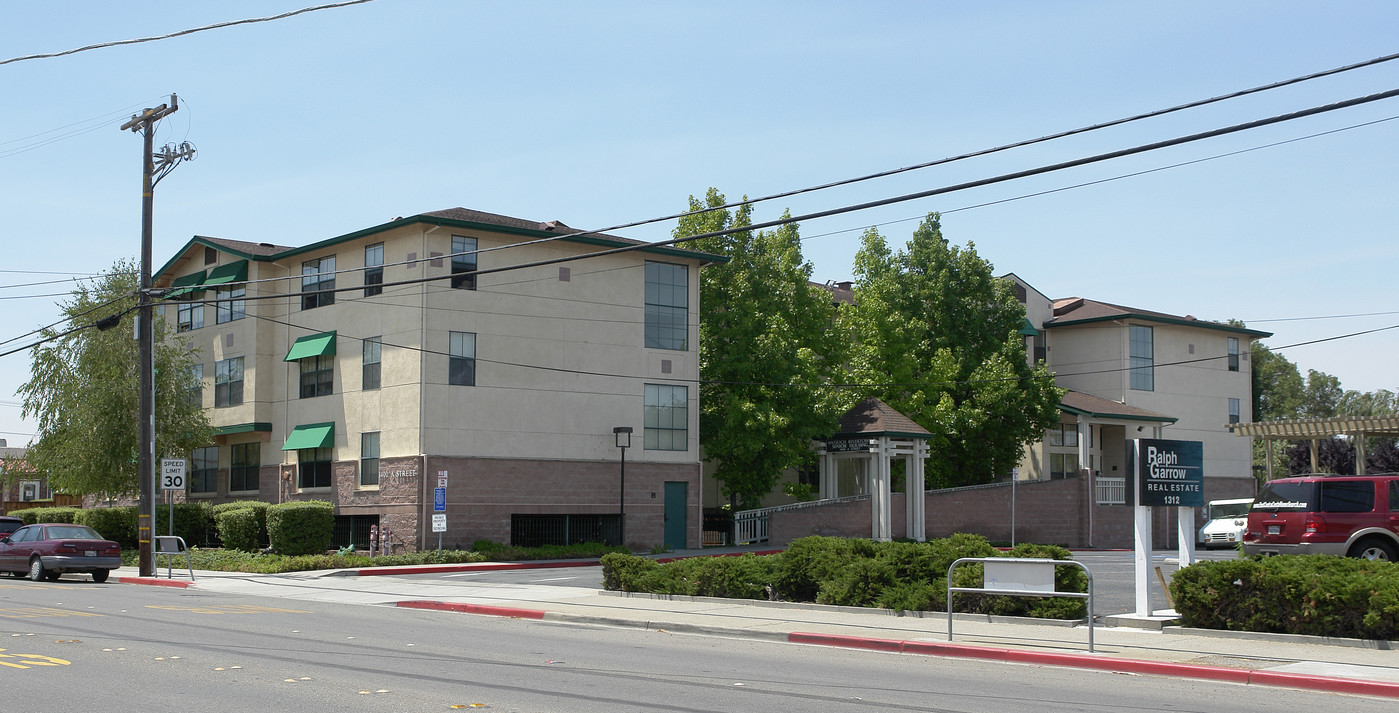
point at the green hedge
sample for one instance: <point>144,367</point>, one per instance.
<point>242,525</point>
<point>1319,595</point>
<point>35,515</point>
<point>907,576</point>
<point>304,527</point>
<point>193,521</point>
<point>118,524</point>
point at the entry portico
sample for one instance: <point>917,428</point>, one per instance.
<point>870,436</point>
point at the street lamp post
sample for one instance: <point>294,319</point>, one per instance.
<point>623,436</point>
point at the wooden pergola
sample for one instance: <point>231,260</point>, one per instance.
<point>1315,429</point>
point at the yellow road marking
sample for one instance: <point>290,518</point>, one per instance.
<point>36,612</point>
<point>226,609</point>
<point>30,660</point>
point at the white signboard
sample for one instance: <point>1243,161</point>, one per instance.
<point>439,522</point>
<point>172,473</point>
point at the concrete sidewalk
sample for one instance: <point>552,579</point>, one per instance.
<point>1337,665</point>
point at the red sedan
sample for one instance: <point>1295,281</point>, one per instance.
<point>47,550</point>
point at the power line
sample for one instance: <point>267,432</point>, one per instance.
<point>214,26</point>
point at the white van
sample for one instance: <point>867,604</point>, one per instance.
<point>1225,523</point>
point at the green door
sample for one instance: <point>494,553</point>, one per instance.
<point>676,505</point>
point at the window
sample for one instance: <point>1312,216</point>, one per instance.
<point>235,308</point>
<point>1142,356</point>
<point>37,490</point>
<point>245,460</point>
<point>196,395</point>
<point>1065,434</point>
<point>313,468</point>
<point>317,375</point>
<point>228,382</point>
<point>1233,410</point>
<point>373,270</point>
<point>1062,465</point>
<point>1348,496</point>
<point>667,418</point>
<point>369,378</point>
<point>667,306</point>
<point>204,470</point>
<point>1233,354</point>
<point>369,459</point>
<point>318,283</point>
<point>461,366</point>
<point>463,260</point>
<point>188,316</point>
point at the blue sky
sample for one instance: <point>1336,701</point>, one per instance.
<point>603,113</point>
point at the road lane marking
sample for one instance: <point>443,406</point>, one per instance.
<point>226,609</point>
<point>37,612</point>
<point>29,660</point>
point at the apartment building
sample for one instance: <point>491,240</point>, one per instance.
<point>451,376</point>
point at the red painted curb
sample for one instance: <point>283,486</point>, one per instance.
<point>154,582</point>
<point>1160,668</point>
<point>474,609</point>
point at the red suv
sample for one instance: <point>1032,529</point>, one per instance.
<point>1354,515</point>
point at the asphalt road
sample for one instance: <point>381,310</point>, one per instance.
<point>75,644</point>
<point>1113,577</point>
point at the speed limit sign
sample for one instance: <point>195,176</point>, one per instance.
<point>172,473</point>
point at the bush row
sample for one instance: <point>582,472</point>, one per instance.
<point>295,528</point>
<point>905,576</point>
<point>1317,595</point>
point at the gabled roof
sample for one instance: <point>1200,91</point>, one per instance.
<point>461,218</point>
<point>1078,310</point>
<point>1079,403</point>
<point>873,417</point>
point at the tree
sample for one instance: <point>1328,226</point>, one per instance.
<point>1278,388</point>
<point>937,336</point>
<point>767,349</point>
<point>1322,396</point>
<point>83,392</point>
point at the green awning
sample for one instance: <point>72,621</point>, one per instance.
<point>232,272</point>
<point>243,428</point>
<point>185,285</point>
<point>1028,329</point>
<point>322,344</point>
<point>311,435</point>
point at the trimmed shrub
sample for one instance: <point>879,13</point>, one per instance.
<point>301,528</point>
<point>1318,595</point>
<point>623,572</point>
<point>117,524</point>
<point>192,521</point>
<point>242,525</point>
<point>31,516</point>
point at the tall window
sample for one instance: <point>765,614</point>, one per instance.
<point>373,270</point>
<point>244,462</point>
<point>369,378</point>
<point>667,417</point>
<point>235,308</point>
<point>317,375</point>
<point>463,262</point>
<point>667,306</point>
<point>189,315</point>
<point>196,395</point>
<point>1062,465</point>
<point>1233,354</point>
<point>1142,358</point>
<point>313,468</point>
<point>204,470</point>
<point>317,281</point>
<point>228,382</point>
<point>369,459</point>
<point>461,365</point>
<point>1233,410</point>
<point>1064,434</point>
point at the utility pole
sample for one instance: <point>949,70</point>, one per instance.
<point>144,123</point>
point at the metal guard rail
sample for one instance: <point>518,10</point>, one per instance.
<point>1022,592</point>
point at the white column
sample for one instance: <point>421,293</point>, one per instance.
<point>1141,526</point>
<point>1185,535</point>
<point>917,523</point>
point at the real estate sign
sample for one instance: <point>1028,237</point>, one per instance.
<point>1170,473</point>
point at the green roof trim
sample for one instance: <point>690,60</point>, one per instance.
<point>322,344</point>
<point>1123,416</point>
<point>311,435</point>
<point>1160,319</point>
<point>1028,329</point>
<point>185,285</point>
<point>259,426</point>
<point>232,272</point>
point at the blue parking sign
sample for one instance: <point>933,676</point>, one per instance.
<point>439,500</point>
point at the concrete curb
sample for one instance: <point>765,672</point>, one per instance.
<point>465,567</point>
<point>926,648</point>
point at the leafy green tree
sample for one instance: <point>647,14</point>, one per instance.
<point>1321,398</point>
<point>1278,388</point>
<point>936,336</point>
<point>767,350</point>
<point>83,393</point>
